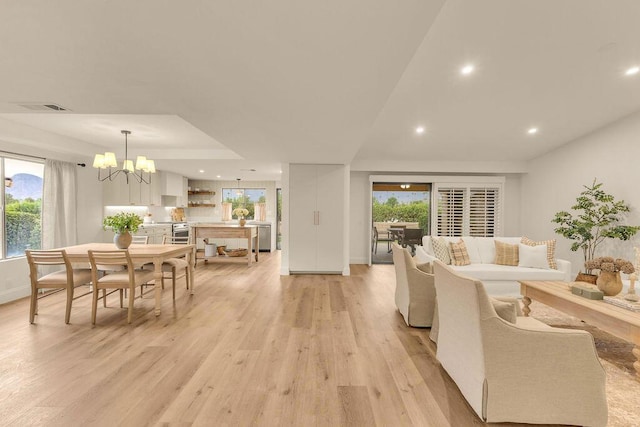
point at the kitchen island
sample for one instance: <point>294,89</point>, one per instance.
<point>229,231</point>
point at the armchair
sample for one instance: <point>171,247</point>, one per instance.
<point>524,372</point>
<point>415,291</point>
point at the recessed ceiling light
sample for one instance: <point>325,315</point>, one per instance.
<point>280,172</point>
<point>201,171</point>
<point>218,176</point>
<point>631,71</point>
<point>467,69</point>
<point>532,131</point>
<point>420,129</point>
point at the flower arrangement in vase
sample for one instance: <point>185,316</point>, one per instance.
<point>123,224</point>
<point>241,213</point>
<point>609,281</point>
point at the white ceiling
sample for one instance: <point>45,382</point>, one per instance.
<point>231,86</point>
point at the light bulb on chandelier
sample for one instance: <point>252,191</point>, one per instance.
<point>108,161</point>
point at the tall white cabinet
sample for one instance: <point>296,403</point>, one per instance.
<point>316,218</point>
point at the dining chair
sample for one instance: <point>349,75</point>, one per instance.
<point>173,265</point>
<point>139,240</point>
<point>68,278</point>
<point>125,279</point>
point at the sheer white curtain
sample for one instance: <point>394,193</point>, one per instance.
<point>59,202</point>
<point>226,211</point>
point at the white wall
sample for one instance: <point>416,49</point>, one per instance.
<point>359,218</point>
<point>612,155</point>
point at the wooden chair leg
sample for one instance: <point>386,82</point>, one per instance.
<point>104,297</point>
<point>33,306</point>
<point>131,298</point>
<point>121,299</point>
<point>67,313</point>
<point>173,281</point>
<point>94,304</point>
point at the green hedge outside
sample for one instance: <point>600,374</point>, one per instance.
<point>23,227</point>
<point>408,212</point>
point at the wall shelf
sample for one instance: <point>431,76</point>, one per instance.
<point>201,205</point>
<point>204,193</point>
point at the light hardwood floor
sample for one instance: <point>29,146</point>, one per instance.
<point>249,348</point>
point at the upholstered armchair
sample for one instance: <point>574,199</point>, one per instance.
<point>415,292</point>
<point>524,372</point>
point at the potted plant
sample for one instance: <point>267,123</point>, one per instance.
<point>596,218</point>
<point>241,213</point>
<point>123,224</point>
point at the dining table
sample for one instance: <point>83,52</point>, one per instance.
<point>141,254</point>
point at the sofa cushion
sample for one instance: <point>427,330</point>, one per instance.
<point>472,249</point>
<point>551,249</point>
<point>506,254</point>
<point>441,249</point>
<point>459,255</point>
<point>532,256</point>
<point>494,272</point>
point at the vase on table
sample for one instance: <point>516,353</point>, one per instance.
<point>609,282</point>
<point>242,222</point>
<point>122,240</point>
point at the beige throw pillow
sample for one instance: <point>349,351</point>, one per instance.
<point>506,254</point>
<point>551,249</point>
<point>441,249</point>
<point>459,254</point>
<point>505,310</point>
<point>427,267</point>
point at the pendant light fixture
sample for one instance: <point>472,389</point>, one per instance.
<point>108,160</point>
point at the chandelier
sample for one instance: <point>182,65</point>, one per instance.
<point>108,160</point>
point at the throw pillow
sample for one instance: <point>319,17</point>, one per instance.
<point>427,267</point>
<point>533,256</point>
<point>551,249</point>
<point>459,254</point>
<point>441,249</point>
<point>506,254</point>
<point>505,310</point>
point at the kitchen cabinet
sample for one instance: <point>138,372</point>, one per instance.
<point>316,218</point>
<point>174,190</point>
<point>155,232</point>
<point>119,193</point>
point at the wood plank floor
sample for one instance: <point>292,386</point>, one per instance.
<point>250,348</point>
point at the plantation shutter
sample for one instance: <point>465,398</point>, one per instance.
<point>450,211</point>
<point>468,210</point>
<point>484,210</point>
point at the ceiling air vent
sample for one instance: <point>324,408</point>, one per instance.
<point>44,107</point>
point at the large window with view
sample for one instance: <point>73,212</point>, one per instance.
<point>22,205</point>
<point>252,199</point>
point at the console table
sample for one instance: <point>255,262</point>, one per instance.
<point>618,321</point>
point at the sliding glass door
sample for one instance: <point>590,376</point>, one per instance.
<point>397,206</point>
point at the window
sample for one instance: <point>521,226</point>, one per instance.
<point>469,210</point>
<point>252,199</point>
<point>22,203</point>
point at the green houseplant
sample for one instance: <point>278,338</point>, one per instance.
<point>123,224</point>
<point>596,218</point>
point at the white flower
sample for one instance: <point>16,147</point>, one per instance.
<point>240,212</point>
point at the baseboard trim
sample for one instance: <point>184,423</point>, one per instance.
<point>14,294</point>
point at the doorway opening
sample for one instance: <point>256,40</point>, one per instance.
<point>396,208</point>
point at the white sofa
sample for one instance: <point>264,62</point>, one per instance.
<point>497,279</point>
